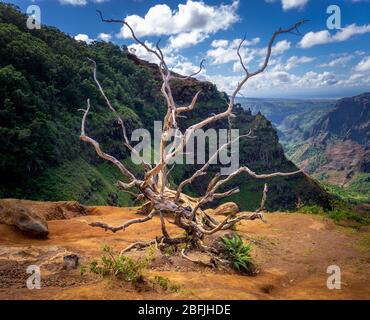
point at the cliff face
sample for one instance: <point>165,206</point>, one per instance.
<point>336,148</point>
<point>41,157</point>
<point>350,120</point>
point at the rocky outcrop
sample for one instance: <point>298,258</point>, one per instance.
<point>60,210</point>
<point>226,209</point>
<point>31,217</point>
<point>30,223</point>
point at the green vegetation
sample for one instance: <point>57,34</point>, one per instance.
<point>313,209</point>
<point>44,79</point>
<point>119,266</point>
<point>167,285</point>
<point>128,270</point>
<point>349,194</point>
<point>238,253</point>
<point>340,211</point>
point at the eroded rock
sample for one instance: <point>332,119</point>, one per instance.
<point>226,209</point>
<point>26,220</point>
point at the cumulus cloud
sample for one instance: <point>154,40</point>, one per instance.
<point>74,2</point>
<point>84,38</point>
<point>80,2</point>
<point>280,47</point>
<point>360,75</point>
<point>187,68</point>
<point>187,39</point>
<point>224,51</point>
<point>324,36</point>
<point>364,65</point>
<point>295,61</point>
<point>175,61</point>
<point>273,79</point>
<point>291,4</point>
<point>219,43</point>
<point>340,61</point>
<point>190,24</point>
<point>104,37</point>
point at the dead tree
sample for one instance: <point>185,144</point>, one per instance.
<point>172,205</point>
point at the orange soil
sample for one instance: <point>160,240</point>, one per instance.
<point>293,251</point>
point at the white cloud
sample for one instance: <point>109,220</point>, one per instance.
<point>105,37</point>
<point>280,47</point>
<point>190,24</point>
<point>341,61</point>
<point>323,37</point>
<point>220,43</point>
<point>275,81</point>
<point>225,51</point>
<point>295,61</point>
<point>74,2</point>
<point>356,79</point>
<point>175,61</point>
<point>84,38</point>
<point>364,65</point>
<point>226,55</point>
<point>291,4</point>
<point>80,2</point>
<point>186,39</point>
<point>187,68</point>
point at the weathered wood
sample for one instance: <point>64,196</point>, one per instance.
<point>185,211</point>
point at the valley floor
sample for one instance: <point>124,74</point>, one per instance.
<point>293,250</point>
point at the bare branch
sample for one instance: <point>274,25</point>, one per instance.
<point>264,198</point>
<point>119,119</point>
<point>191,106</point>
<point>192,75</point>
<point>209,196</point>
<point>125,225</point>
<point>240,56</point>
<point>202,171</point>
<point>98,150</point>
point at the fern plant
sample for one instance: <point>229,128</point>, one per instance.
<point>238,253</point>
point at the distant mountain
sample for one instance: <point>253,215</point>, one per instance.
<point>329,139</point>
<point>291,117</point>
<point>349,120</point>
<point>337,147</point>
<point>279,110</point>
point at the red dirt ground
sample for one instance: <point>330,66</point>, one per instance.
<point>293,251</point>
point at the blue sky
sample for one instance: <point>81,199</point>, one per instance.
<point>319,63</point>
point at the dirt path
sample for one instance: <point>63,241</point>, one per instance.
<point>293,251</point>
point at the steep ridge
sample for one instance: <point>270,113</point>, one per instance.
<point>336,148</point>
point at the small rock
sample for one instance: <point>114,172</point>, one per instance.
<point>70,261</point>
<point>226,209</point>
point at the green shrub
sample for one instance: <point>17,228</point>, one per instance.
<point>119,266</point>
<point>312,209</point>
<point>166,284</point>
<point>238,253</point>
<point>341,211</point>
